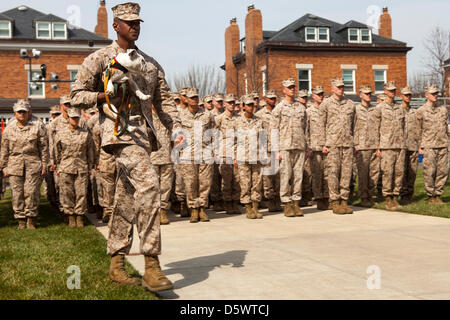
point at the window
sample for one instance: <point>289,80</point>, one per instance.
<point>43,30</point>
<point>264,82</point>
<point>73,76</point>
<point>59,31</point>
<point>317,34</point>
<point>311,35</point>
<point>243,45</point>
<point>304,79</point>
<point>246,83</point>
<point>349,81</point>
<point>5,29</point>
<point>36,89</point>
<point>359,36</point>
<point>324,35</point>
<point>380,80</point>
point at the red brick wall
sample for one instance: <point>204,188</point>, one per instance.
<point>13,81</point>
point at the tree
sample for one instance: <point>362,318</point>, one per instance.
<point>418,81</point>
<point>437,48</point>
<point>208,79</point>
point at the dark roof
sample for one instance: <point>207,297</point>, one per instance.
<point>24,25</point>
<point>5,17</point>
<point>268,34</point>
<point>353,24</point>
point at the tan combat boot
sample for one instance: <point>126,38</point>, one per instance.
<point>345,207</point>
<point>154,279</point>
<point>72,221</point>
<point>249,211</point>
<point>298,211</point>
<point>289,210</point>
<point>228,207</point>
<point>337,209</point>
<point>256,211</point>
<point>438,201</point>
<point>22,224</point>
<point>80,221</point>
<point>164,219</point>
<point>236,209</point>
<point>117,272</point>
<point>395,203</point>
<point>31,223</point>
<point>203,216</point>
<point>194,216</point>
<point>390,204</point>
<point>184,212</point>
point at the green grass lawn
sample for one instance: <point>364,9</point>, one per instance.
<point>420,204</point>
<point>33,264</point>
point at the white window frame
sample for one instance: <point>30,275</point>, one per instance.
<point>318,35</point>
<point>264,79</point>
<point>34,69</point>
<point>374,81</point>
<point>246,83</point>
<point>242,45</point>
<point>65,30</point>
<point>9,29</point>
<point>370,36</point>
<point>306,34</point>
<point>359,35</point>
<point>353,78</point>
<point>305,68</point>
<point>49,30</point>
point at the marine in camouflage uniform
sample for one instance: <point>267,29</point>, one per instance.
<point>412,147</point>
<point>75,159</point>
<point>290,120</point>
<point>231,190</point>
<point>337,124</point>
<point>52,194</point>
<point>248,127</point>
<point>216,192</point>
<point>270,174</point>
<point>137,197</point>
<point>94,187</point>
<point>307,193</point>
<point>317,158</point>
<point>24,159</point>
<point>432,123</point>
<point>390,123</point>
<point>196,157</point>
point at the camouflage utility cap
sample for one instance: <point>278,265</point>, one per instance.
<point>74,113</point>
<point>64,100</point>
<point>255,95</point>
<point>432,89</point>
<point>127,11</point>
<point>365,89</point>
<point>248,99</point>
<point>271,94</point>
<point>262,103</point>
<point>303,93</point>
<point>218,97</point>
<point>390,85</point>
<point>288,83</point>
<point>55,110</point>
<point>381,97</point>
<point>208,99</point>
<point>230,97</point>
<point>337,82</point>
<point>191,92</point>
<point>182,91</point>
<point>318,90</point>
<point>406,90</point>
<point>200,102</point>
<point>22,105</point>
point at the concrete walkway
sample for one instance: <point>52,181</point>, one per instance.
<point>320,256</point>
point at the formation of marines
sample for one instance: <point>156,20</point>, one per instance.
<point>190,154</point>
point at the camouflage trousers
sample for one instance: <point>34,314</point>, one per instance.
<point>74,189</point>
<point>318,174</point>
<point>409,177</point>
<point>307,179</point>
<point>231,189</point>
<point>392,169</point>
<point>92,195</point>
<point>180,191</point>
<point>368,172</point>
<point>216,194</point>
<point>165,174</point>
<point>136,201</point>
<point>26,195</point>
<point>291,175</point>
<point>52,195</point>
<point>108,184</point>
<point>197,179</point>
<point>58,191</point>
<point>339,166</point>
<point>250,181</point>
<point>271,182</point>
<point>435,170</point>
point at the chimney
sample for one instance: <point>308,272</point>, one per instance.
<point>253,36</point>
<point>385,29</point>
<point>232,48</point>
<point>102,20</point>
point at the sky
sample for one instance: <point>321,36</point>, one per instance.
<point>179,34</point>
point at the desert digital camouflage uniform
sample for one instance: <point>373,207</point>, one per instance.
<point>161,158</point>
<point>216,186</point>
<point>24,154</point>
<point>94,192</point>
<point>291,121</point>
<point>318,172</point>
<point>270,180</point>
<point>248,157</point>
<point>196,158</point>
<point>75,158</point>
<point>390,123</point>
<point>52,194</point>
<point>411,153</point>
<point>365,140</point>
<point>231,190</point>
<point>337,123</point>
<point>137,197</point>
<point>179,189</point>
<point>433,138</point>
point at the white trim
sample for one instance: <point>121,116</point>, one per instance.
<point>315,34</point>
<point>246,83</point>
<point>328,35</point>
<point>370,36</point>
<point>73,67</point>
<point>65,31</point>
<point>380,67</point>
<point>349,67</point>
<point>34,67</point>
<point>357,34</point>
<point>264,80</point>
<point>52,46</point>
<point>9,28</point>
<point>263,68</point>
<point>309,79</point>
<point>304,66</point>
<point>374,82</point>
<point>353,78</point>
<point>29,88</point>
<point>49,30</point>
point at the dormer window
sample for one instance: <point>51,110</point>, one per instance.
<point>359,35</point>
<point>317,34</point>
<point>5,29</point>
<point>48,30</point>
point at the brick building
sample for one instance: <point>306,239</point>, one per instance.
<point>63,49</point>
<point>312,50</point>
